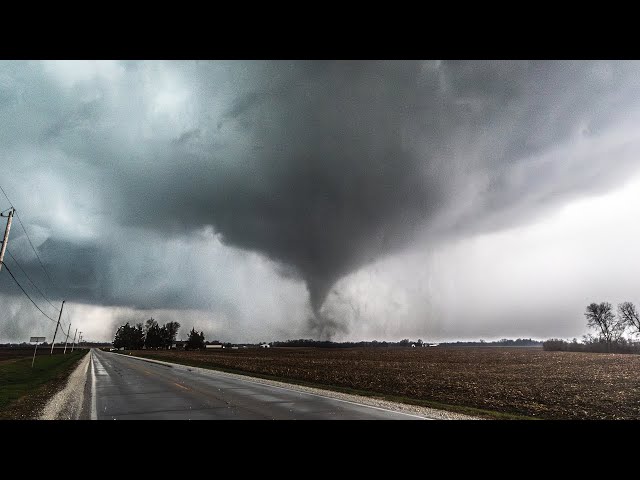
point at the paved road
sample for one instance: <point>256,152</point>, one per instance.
<point>124,387</point>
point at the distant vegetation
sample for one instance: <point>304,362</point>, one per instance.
<point>591,344</point>
<point>195,341</point>
<point>609,336</point>
<point>156,336</point>
<point>520,342</point>
<point>308,342</point>
<point>611,331</point>
<point>129,337</point>
<point>152,336</point>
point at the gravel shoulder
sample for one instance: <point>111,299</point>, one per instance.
<point>68,403</point>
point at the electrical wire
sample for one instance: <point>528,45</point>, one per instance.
<point>34,249</point>
<point>24,291</point>
<point>28,238</point>
<point>66,312</point>
<point>29,278</point>
<point>25,273</point>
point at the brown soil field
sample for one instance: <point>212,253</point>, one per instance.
<point>517,381</point>
<point>9,353</point>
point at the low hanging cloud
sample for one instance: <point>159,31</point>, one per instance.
<point>317,169</point>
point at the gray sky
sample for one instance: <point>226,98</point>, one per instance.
<point>269,200</point>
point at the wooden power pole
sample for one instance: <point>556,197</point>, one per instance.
<point>65,342</point>
<point>57,325</point>
<point>74,340</point>
<point>6,235</point>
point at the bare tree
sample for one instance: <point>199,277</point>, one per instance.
<point>628,314</point>
<point>601,318</point>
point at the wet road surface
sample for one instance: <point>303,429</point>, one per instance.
<point>123,387</point>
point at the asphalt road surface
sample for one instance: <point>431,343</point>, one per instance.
<point>124,387</point>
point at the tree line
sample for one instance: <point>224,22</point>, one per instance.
<point>610,329</point>
<point>308,342</point>
<point>152,335</point>
<point>505,342</point>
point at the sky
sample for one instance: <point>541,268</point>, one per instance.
<point>345,200</point>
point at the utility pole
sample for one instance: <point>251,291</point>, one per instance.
<point>6,234</point>
<point>57,325</point>
<point>34,355</point>
<point>65,342</point>
<point>74,340</point>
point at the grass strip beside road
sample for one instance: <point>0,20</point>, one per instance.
<point>487,414</point>
<point>25,390</point>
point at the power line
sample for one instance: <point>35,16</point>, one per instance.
<point>34,249</point>
<point>25,273</point>
<point>23,291</point>
<point>62,319</point>
<point>29,278</point>
<point>28,238</point>
<point>66,312</point>
<point>5,196</point>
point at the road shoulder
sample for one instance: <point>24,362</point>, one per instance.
<point>68,403</point>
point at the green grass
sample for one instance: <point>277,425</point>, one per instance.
<point>475,412</point>
<point>18,380</point>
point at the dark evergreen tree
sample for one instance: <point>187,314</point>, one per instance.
<point>195,340</point>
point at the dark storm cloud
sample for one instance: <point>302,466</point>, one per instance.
<point>322,166</point>
<point>328,183</point>
<point>347,160</point>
